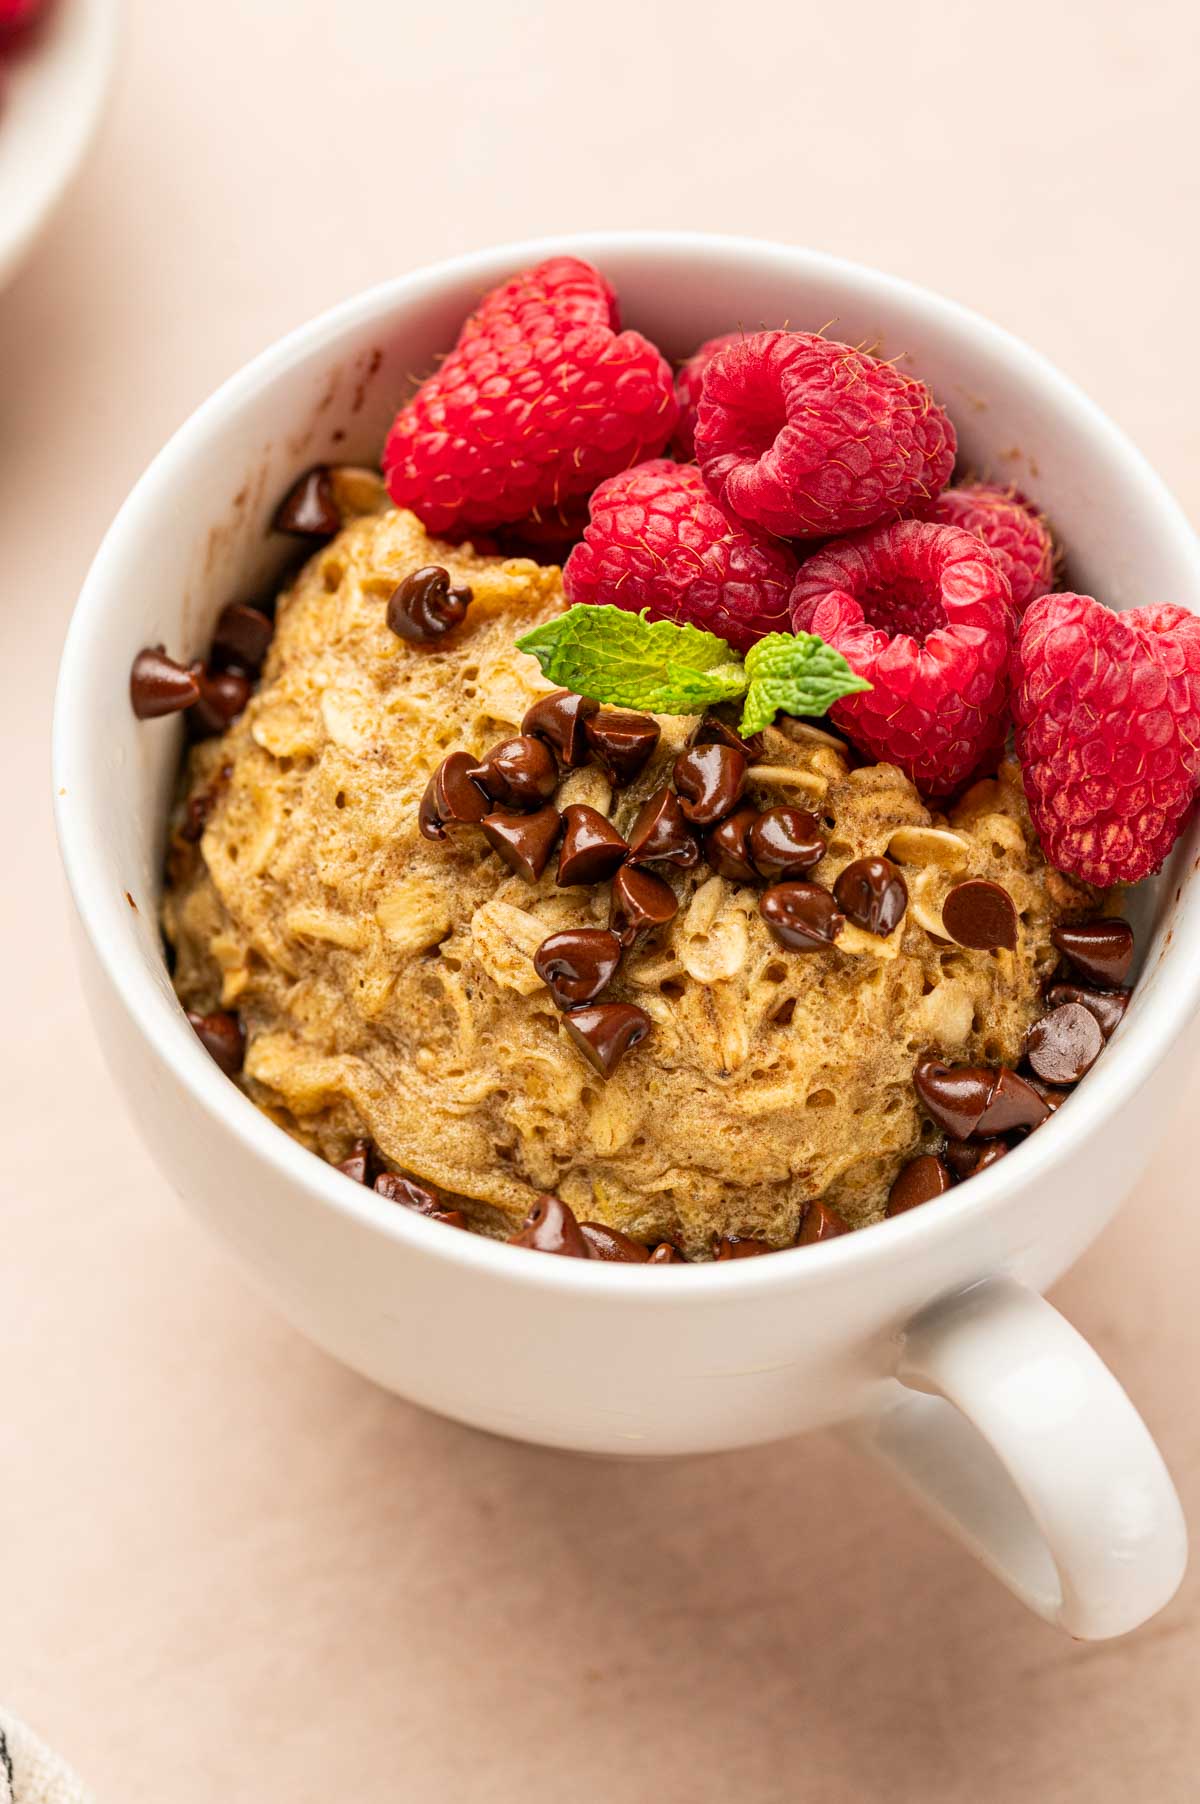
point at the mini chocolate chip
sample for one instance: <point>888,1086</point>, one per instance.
<point>709,780</point>
<point>1108,1006</point>
<point>591,849</point>
<point>550,1227</point>
<point>158,685</point>
<point>424,605</point>
<point>622,744</point>
<point>727,845</point>
<point>450,795</point>
<point>222,1038</point>
<point>358,1162</point>
<point>606,1031</point>
<point>577,963</point>
<point>518,773</point>
<point>639,901</point>
<point>872,893</point>
<point>609,1243</point>
<point>714,731</point>
<point>989,1152</point>
<point>785,842</point>
<point>919,1181</point>
<point>667,1253</point>
<point>561,719</point>
<point>407,1192</point>
<point>820,1223</point>
<point>223,696</point>
<point>981,915</point>
<point>740,1246</point>
<point>524,841</point>
<point>966,1100</point>
<point>309,509</point>
<point>1064,1044</point>
<point>1101,950</point>
<point>802,916</point>
<point>241,638</point>
<point>660,835</point>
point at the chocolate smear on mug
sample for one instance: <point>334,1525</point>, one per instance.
<point>1101,950</point>
<point>872,894</point>
<point>605,1031</point>
<point>425,605</point>
<point>159,686</point>
<point>981,915</point>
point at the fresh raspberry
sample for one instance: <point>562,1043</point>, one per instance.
<point>688,383</point>
<point>17,17</point>
<point>541,398</point>
<point>924,613</point>
<point>1107,710</point>
<point>809,437</point>
<point>658,540</point>
<point>1010,526</point>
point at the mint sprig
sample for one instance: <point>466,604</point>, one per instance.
<point>615,656</point>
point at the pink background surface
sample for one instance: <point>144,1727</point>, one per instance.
<point>228,1568</point>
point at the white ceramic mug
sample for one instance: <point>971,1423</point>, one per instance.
<point>927,1335</point>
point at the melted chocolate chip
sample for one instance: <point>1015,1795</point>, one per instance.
<point>640,900</point>
<point>606,1031</point>
<point>223,696</point>
<point>709,780</point>
<point>576,964</point>
<point>989,1152</point>
<point>727,846</point>
<point>802,916</point>
<point>872,893</point>
<point>518,773</point>
<point>667,1253</point>
<point>1064,1044</point>
<point>820,1223</point>
<point>158,685</point>
<point>1053,1099</point>
<point>591,849</point>
<point>963,1156</point>
<point>981,915</point>
<point>358,1162</point>
<point>524,841</point>
<point>611,1244</point>
<point>241,638</point>
<point>407,1192</point>
<point>309,509</point>
<point>222,1038</point>
<point>785,842</point>
<point>450,795</point>
<point>740,1246</point>
<point>1101,950</point>
<point>1108,1006</point>
<point>660,835</point>
<point>561,720</point>
<point>966,1100</point>
<point>622,744</point>
<point>918,1182</point>
<point>550,1227</point>
<point>714,731</point>
<point>424,605</point>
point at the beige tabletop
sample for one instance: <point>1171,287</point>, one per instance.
<point>229,1569</point>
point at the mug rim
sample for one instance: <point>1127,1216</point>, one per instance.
<point>1143,1041</point>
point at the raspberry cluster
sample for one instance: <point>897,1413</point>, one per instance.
<point>808,485</point>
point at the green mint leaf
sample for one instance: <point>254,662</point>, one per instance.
<point>794,673</point>
<point>614,656</point>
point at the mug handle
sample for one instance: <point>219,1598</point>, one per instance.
<point>1018,1439</point>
